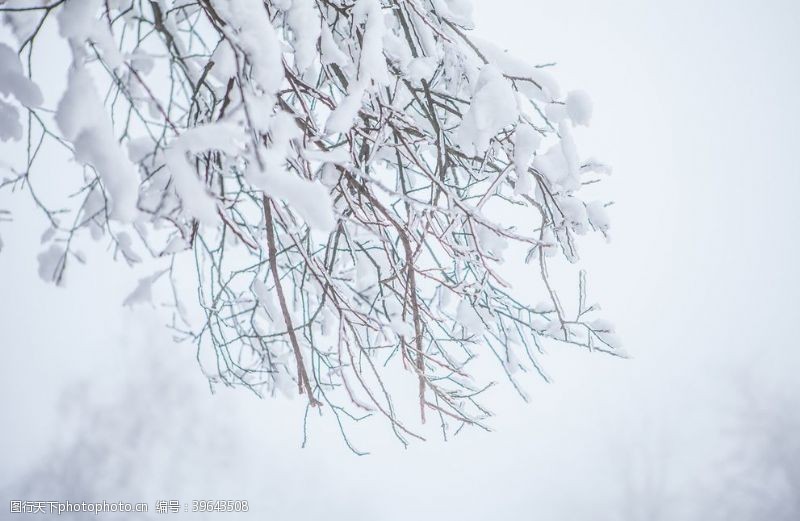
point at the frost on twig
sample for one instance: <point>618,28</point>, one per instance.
<point>341,177</point>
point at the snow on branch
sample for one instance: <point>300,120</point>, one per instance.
<point>342,178</point>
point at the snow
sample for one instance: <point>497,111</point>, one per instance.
<point>491,242</point>
<point>493,107</point>
<point>143,293</point>
<point>549,245</point>
<point>10,127</point>
<point>261,291</point>
<point>23,23</point>
<point>303,19</point>
<point>457,11</point>
<point>598,216</point>
<point>422,68</point>
<point>329,175</point>
<point>13,81</point>
<point>551,164</point>
<point>50,262</point>
<point>579,107</point>
<point>556,112</point>
<point>574,213</point>
<point>265,299</point>
<point>598,167</point>
<point>469,318</point>
<point>554,329</point>
<point>226,137</point>
<point>415,69</point>
<point>139,148</point>
<point>397,50</point>
<point>224,62</point>
<point>339,156</point>
<point>77,108</point>
<point>77,21</point>
<point>141,62</point>
<point>328,123</point>
<point>125,245</point>
<point>402,329</point>
<point>256,35</point>
<point>330,53</point>
<point>309,198</point>
<point>372,64</point>
<point>526,141</point>
<point>535,82</point>
<point>602,325</point>
<point>96,146</point>
<point>342,118</point>
<point>571,160</point>
<point>82,120</point>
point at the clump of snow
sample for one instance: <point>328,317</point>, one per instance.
<point>552,164</point>
<point>77,21</point>
<point>13,81</point>
<point>23,23</point>
<point>141,62</point>
<point>457,11</point>
<point>574,213</point>
<point>125,245</point>
<point>534,82</point>
<point>598,167</point>
<point>226,137</point>
<point>421,68</point>
<point>265,300</point>
<point>371,64</point>
<point>556,112</point>
<point>579,107</point>
<point>338,156</point>
<point>309,198</point>
<point>255,34</point>
<point>469,318</point>
<point>224,62</point>
<point>51,262</point>
<point>490,242</point>
<point>598,216</point>
<point>303,19</point>
<point>342,118</point>
<point>554,328</point>
<point>82,120</point>
<point>143,293</point>
<point>571,159</point>
<point>493,107</point>
<point>10,127</point>
<point>526,141</point>
<point>139,148</point>
<point>402,329</point>
<point>330,53</point>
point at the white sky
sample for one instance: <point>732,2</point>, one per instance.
<point>696,107</point>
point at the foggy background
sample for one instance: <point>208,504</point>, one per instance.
<point>696,108</point>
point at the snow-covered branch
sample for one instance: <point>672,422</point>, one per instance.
<point>345,179</point>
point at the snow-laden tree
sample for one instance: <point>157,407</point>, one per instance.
<point>341,179</point>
